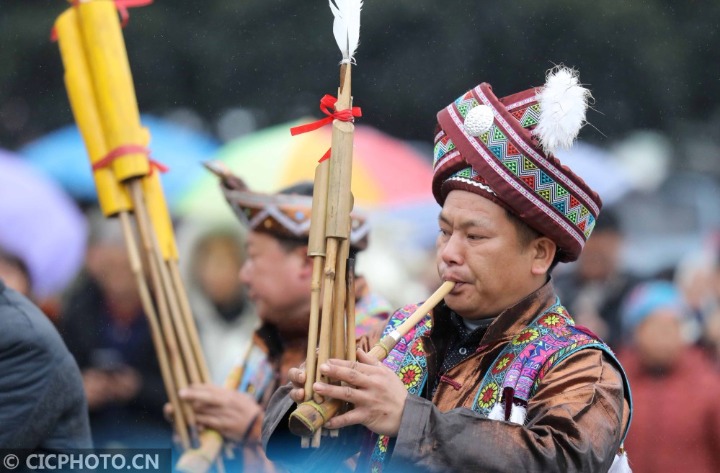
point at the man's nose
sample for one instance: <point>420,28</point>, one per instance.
<point>451,250</point>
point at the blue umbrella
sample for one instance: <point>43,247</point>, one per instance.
<point>41,225</point>
<point>61,155</point>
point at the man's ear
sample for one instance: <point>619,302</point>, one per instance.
<point>543,254</point>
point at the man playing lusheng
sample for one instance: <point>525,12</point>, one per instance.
<point>277,272</point>
<point>497,378</point>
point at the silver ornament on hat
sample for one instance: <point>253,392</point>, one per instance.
<point>479,120</point>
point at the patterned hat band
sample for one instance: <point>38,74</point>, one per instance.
<point>486,145</point>
<point>286,216</point>
<point>468,179</point>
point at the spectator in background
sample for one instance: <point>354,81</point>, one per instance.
<point>595,287</point>
<point>104,326</point>
<point>710,338</point>
<point>42,404</point>
<point>676,420</point>
<point>224,316</point>
<point>694,278</point>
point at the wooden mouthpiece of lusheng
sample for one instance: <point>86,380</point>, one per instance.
<point>382,348</point>
<point>339,202</point>
<point>316,239</point>
<point>199,460</point>
<point>310,416</point>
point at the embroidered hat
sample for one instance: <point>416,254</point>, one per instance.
<point>502,149</point>
<point>285,215</point>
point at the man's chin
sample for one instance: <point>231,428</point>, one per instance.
<point>458,306</point>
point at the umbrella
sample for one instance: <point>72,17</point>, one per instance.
<point>61,155</point>
<point>40,225</point>
<point>386,171</point>
<point>599,169</point>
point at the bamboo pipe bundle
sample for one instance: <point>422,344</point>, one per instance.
<point>329,243</point>
<point>330,224</point>
<point>102,97</point>
<point>311,415</point>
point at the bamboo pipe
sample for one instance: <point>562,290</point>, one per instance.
<point>163,243</point>
<point>189,321</point>
<point>339,323</point>
<point>340,200</point>
<point>326,319</point>
<point>113,84</point>
<point>316,250</point>
<point>162,225</point>
<point>161,297</point>
<point>112,197</point>
<point>155,331</point>
<point>156,228</point>
<point>350,310</point>
<point>339,300</point>
<point>310,416</point>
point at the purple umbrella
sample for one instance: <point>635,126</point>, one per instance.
<point>40,225</point>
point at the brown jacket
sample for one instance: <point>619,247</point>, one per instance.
<point>574,422</point>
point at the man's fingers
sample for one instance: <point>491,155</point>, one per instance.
<point>351,417</point>
<point>364,361</point>
<point>346,371</point>
<point>210,421</point>
<point>297,395</point>
<point>199,394</point>
<point>296,376</point>
<point>366,358</point>
<point>343,392</point>
<point>168,412</point>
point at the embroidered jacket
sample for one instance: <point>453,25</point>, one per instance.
<point>570,383</point>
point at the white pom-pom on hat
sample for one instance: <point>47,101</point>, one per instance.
<point>563,105</point>
<point>478,120</point>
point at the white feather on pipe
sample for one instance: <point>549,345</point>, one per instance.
<point>346,26</point>
<point>563,104</point>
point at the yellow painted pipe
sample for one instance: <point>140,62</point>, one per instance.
<point>113,197</point>
<point>113,85</point>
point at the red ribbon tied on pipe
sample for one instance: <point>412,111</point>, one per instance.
<point>123,5</point>
<point>122,8</point>
<point>327,106</point>
<point>106,160</point>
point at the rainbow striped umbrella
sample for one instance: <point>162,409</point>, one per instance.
<point>387,172</point>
